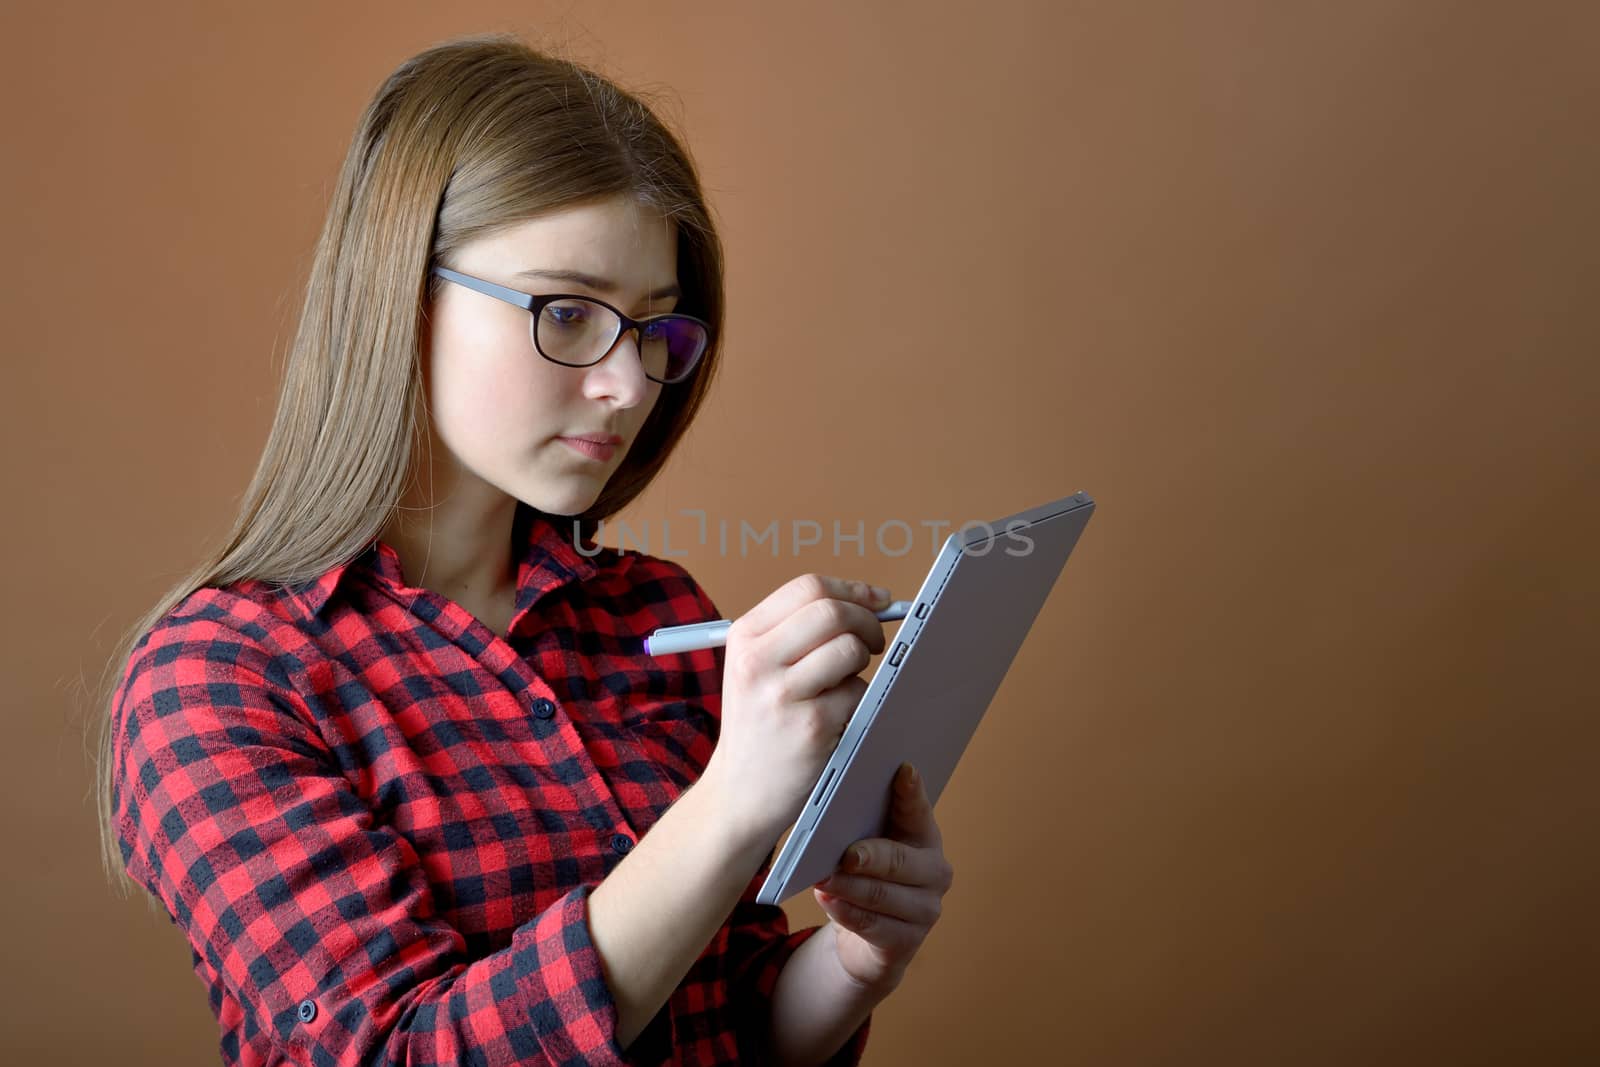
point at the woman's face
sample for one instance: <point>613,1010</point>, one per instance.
<point>500,407</point>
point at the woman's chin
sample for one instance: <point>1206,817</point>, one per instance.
<point>564,505</point>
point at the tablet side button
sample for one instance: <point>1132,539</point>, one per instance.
<point>922,609</point>
<point>823,792</point>
<point>897,655</point>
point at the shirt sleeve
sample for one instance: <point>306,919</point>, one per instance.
<point>758,948</point>
<point>760,942</point>
<point>316,916</point>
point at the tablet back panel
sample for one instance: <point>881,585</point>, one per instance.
<point>984,592</point>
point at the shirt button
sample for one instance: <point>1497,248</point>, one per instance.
<point>308,1010</point>
<point>543,709</point>
<point>622,844</point>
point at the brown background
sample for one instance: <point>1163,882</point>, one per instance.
<point>1298,764</point>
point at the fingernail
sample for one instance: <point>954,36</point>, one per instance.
<point>859,855</point>
<point>880,593</point>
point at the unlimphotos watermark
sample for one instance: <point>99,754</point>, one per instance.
<point>892,537</point>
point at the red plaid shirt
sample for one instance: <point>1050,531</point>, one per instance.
<point>378,822</point>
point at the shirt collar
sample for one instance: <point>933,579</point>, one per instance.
<point>547,560</point>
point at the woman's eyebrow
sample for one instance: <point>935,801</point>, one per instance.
<point>594,282</point>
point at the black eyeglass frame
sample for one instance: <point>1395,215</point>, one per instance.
<point>534,304</point>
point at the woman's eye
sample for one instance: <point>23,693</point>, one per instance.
<point>565,314</point>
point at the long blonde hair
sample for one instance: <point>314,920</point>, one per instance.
<point>464,138</point>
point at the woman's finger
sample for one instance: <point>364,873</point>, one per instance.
<point>814,624</point>
<point>917,905</point>
<point>911,814</point>
<point>795,593</point>
<point>895,937</point>
<point>897,861</point>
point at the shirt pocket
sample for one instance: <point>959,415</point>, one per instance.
<point>678,735</point>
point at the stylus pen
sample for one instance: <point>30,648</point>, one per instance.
<point>714,634</point>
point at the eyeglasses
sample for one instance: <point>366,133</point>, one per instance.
<point>578,331</point>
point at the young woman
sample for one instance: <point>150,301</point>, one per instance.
<point>394,759</point>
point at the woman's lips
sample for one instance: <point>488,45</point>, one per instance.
<point>592,449</point>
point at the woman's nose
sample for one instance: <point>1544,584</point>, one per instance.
<point>620,372</point>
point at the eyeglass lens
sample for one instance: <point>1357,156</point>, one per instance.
<point>579,332</point>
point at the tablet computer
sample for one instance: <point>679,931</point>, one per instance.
<point>934,683</point>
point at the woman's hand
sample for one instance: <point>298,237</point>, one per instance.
<point>883,905</point>
<point>791,680</point>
